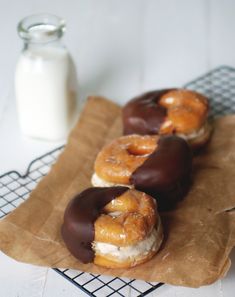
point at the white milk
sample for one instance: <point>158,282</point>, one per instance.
<point>45,98</point>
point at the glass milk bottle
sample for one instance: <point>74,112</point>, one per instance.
<point>45,82</point>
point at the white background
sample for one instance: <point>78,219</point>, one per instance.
<point>120,48</point>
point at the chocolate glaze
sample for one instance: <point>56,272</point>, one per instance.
<point>165,175</point>
<point>143,115</point>
<point>78,229</point>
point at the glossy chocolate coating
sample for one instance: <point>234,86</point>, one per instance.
<point>78,229</point>
<point>165,175</point>
<point>143,115</point>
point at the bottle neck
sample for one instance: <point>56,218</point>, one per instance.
<point>39,45</point>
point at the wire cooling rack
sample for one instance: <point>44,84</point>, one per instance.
<point>218,85</point>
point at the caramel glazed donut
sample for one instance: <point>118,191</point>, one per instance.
<point>158,166</point>
<point>98,227</point>
<point>171,111</point>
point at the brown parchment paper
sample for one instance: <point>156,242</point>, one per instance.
<point>199,234</point>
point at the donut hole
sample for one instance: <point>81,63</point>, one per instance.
<point>114,214</point>
<point>137,150</point>
<point>136,153</point>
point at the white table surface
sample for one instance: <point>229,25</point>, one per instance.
<point>21,280</point>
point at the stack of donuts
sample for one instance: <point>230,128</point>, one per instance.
<point>116,224</point>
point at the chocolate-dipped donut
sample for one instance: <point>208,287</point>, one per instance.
<point>144,115</point>
<point>78,227</point>
<point>98,227</point>
<point>170,111</point>
<point>159,166</point>
<point>166,173</point>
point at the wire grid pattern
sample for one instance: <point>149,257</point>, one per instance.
<point>218,85</point>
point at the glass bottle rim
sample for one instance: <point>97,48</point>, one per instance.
<point>41,28</point>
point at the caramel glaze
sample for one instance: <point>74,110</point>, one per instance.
<point>143,115</point>
<point>78,229</point>
<point>165,175</point>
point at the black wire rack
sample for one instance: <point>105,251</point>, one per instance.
<point>218,85</point>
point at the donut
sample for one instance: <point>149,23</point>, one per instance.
<point>98,227</point>
<point>170,111</point>
<point>158,166</point>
